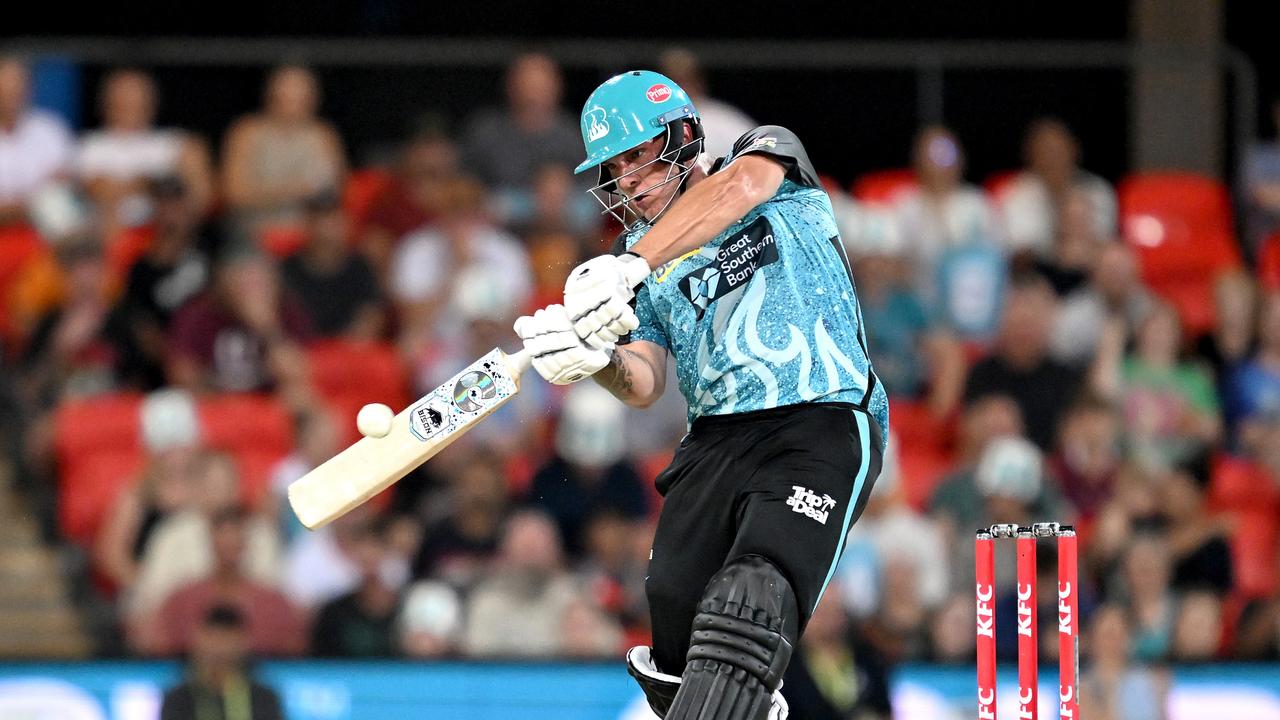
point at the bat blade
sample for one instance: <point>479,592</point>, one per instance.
<point>423,429</point>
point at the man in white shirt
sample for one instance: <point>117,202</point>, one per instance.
<point>722,123</point>
<point>35,146</point>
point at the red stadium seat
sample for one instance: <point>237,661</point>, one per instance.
<point>1269,263</point>
<point>125,249</point>
<point>363,187</point>
<point>281,241</point>
<point>19,245</point>
<point>884,186</point>
<point>997,184</point>
<point>349,375</point>
<point>1239,484</point>
<point>1180,226</point>
<point>99,451</point>
<point>256,429</point>
<point>924,449</point>
<point>1253,550</point>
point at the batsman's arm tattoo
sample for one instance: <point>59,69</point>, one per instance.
<point>630,377</point>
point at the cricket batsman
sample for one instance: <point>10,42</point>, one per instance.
<point>734,266</point>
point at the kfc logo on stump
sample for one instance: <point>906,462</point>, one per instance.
<point>658,93</point>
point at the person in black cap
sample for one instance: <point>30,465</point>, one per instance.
<point>218,686</point>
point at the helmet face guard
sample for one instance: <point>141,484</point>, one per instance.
<point>679,159</point>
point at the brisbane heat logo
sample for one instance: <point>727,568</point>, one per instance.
<point>658,93</point>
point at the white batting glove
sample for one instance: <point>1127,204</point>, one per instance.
<point>598,296</point>
<point>559,355</point>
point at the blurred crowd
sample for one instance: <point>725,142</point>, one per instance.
<point>1034,376</point>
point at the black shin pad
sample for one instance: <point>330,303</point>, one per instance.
<point>741,644</point>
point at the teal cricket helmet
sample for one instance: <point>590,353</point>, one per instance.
<point>632,108</point>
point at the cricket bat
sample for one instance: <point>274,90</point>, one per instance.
<point>426,427</point>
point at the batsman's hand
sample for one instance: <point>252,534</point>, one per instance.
<point>598,296</point>
<point>559,355</point>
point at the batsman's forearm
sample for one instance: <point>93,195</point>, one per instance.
<point>708,209</point>
<point>630,378</point>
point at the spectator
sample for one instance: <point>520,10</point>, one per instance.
<point>589,473</point>
<point>834,674</point>
<point>950,641</point>
<point>428,262</point>
<point>722,123</point>
<point>1262,187</point>
<point>1197,635</point>
<point>173,270</point>
<point>1170,407</point>
<point>415,198</point>
<point>551,256</point>
<point>35,146</point>
<point>218,687</point>
<point>614,573</point>
<point>889,532</point>
<point>1133,509</point>
<point>459,547</point>
<point>899,629</point>
<point>1114,291</point>
<point>272,626</point>
<point>337,287</point>
<point>589,632</point>
<point>317,440</point>
<point>361,623</point>
<point>242,334</point>
<point>181,548</point>
<point>914,355</point>
<point>956,505</point>
<point>171,438</point>
<point>1088,456</point>
<point>516,610</point>
<point>324,565</point>
<point>1011,483</point>
<point>1201,554</point>
<point>506,147</point>
<point>1076,246</point>
<point>952,239</point>
<point>1111,687</point>
<point>1254,395</point>
<point>275,159</point>
<point>1233,339</point>
<point>117,162</point>
<point>554,203</point>
<point>1258,633</point>
<point>1020,366</point>
<point>1150,602</point>
<point>430,620</point>
<point>1036,197</point>
<point>74,349</point>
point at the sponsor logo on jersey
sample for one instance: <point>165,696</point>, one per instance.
<point>810,504</point>
<point>762,142</point>
<point>663,271</point>
<point>734,264</point>
<point>594,124</point>
<point>658,93</point>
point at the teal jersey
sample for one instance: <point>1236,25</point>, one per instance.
<point>766,314</point>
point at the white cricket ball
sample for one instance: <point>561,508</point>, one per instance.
<point>374,420</point>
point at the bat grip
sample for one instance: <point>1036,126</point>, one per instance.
<point>519,361</point>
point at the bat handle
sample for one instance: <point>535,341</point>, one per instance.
<point>519,361</point>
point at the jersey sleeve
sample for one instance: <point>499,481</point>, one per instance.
<point>780,144</point>
<point>649,328</point>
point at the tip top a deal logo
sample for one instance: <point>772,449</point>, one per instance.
<point>658,93</point>
<point>596,124</point>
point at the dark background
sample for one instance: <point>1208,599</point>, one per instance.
<point>851,121</point>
